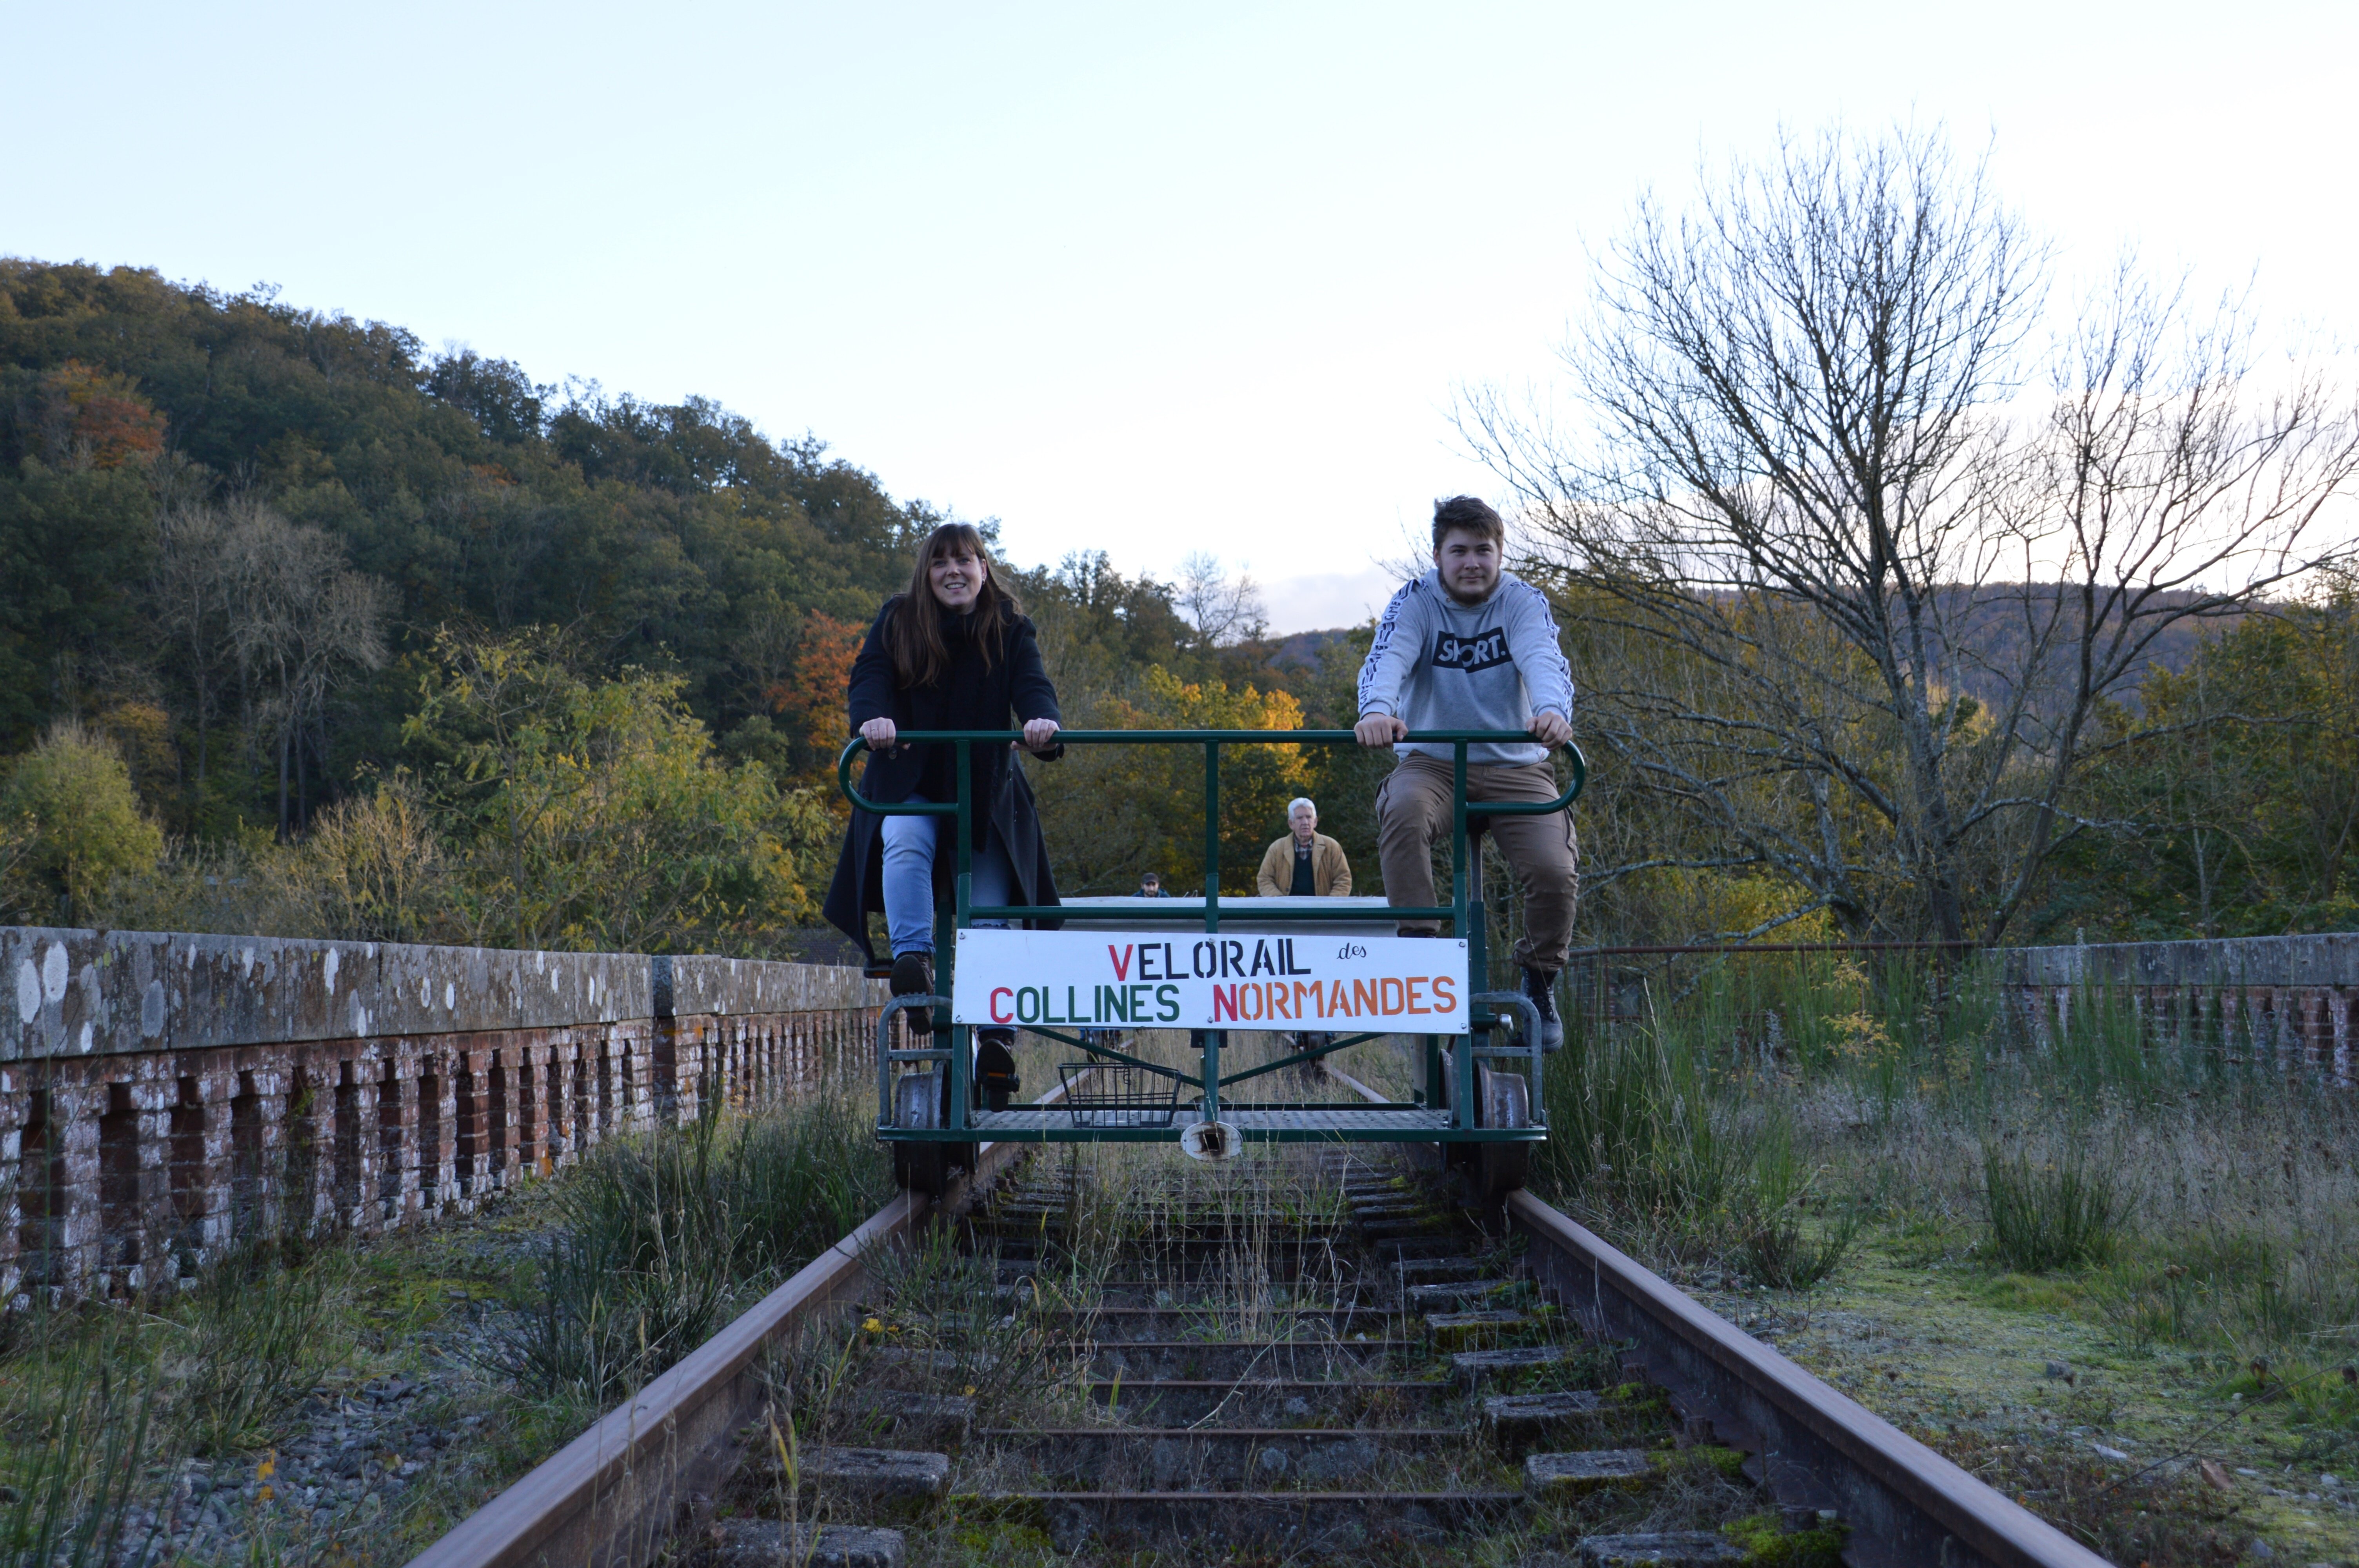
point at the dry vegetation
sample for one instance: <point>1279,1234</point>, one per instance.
<point>347,1402</point>
<point>2083,1265</point>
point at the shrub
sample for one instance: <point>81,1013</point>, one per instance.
<point>2054,1215</point>
<point>76,823</point>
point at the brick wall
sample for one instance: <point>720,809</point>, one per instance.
<point>2283,1002</point>
<point>163,1096</point>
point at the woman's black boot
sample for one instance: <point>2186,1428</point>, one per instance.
<point>995,1066</point>
<point>913,974</point>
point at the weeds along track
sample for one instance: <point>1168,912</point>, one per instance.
<point>1110,1354</point>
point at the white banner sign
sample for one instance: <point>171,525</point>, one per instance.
<point>1161,980</point>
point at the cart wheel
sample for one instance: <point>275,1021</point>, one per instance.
<point>1495,1169</point>
<point>918,1102</point>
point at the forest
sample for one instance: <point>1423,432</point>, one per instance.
<point>308,630</point>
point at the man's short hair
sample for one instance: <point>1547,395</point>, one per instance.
<point>1302,800</point>
<point>1468,514</point>
<point>1155,877</point>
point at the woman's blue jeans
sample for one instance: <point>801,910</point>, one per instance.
<point>909,845</point>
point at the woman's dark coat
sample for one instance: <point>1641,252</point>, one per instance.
<point>1006,696</point>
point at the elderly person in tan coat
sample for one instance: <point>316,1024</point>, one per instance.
<point>1306,862</point>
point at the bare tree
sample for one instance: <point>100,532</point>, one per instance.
<point>190,593</point>
<point>1223,610</point>
<point>1885,612</point>
<point>301,620</point>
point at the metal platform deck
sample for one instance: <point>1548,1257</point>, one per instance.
<point>1292,1124</point>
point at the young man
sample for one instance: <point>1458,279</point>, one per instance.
<point>1470,646</point>
<point>1150,886</point>
<point>1305,863</point>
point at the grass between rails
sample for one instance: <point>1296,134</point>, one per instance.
<point>1093,1228</point>
<point>346,1402</point>
<point>2172,1229</point>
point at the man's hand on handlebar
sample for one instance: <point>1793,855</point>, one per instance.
<point>1378,729</point>
<point>878,733</point>
<point>1550,728</point>
<point>1039,734</point>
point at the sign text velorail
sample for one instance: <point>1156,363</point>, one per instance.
<point>1161,980</point>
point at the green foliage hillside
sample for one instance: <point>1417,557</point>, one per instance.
<point>377,641</point>
<point>266,555</point>
<point>671,535</point>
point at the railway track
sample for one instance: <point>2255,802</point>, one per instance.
<point>1110,1354</point>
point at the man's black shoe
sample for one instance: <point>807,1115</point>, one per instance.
<point>913,974</point>
<point>1541,989</point>
<point>995,1067</point>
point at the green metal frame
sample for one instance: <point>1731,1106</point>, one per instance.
<point>1453,1085</point>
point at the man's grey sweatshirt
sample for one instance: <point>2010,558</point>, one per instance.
<point>1440,665</point>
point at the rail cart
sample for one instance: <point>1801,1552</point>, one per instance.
<point>1211,965</point>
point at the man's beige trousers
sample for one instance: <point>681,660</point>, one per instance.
<point>1413,810</point>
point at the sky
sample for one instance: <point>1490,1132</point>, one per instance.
<point>1150,280</point>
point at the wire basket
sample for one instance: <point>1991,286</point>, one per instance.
<point>1115,1094</point>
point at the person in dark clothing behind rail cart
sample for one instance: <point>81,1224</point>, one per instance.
<point>1150,886</point>
<point>955,652</point>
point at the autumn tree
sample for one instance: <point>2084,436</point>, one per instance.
<point>70,824</point>
<point>2235,780</point>
<point>592,813</point>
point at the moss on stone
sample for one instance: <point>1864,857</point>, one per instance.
<point>1769,1545</point>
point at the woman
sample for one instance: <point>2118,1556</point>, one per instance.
<point>953,653</point>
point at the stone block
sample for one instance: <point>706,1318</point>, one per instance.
<point>1461,1294</point>
<point>919,1421</point>
<point>770,1543</point>
<point>1665,1548</point>
<point>1477,1367</point>
<point>1514,1419</point>
<point>1468,1330</point>
<point>1561,1478</point>
<point>1426,1271</point>
<point>881,1477</point>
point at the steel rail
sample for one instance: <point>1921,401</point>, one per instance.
<point>614,1495</point>
<point>1810,1446</point>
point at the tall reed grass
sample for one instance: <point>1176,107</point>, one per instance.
<point>76,1465</point>
<point>2201,1182</point>
<point>253,1342</point>
<point>658,1236</point>
<point>2051,1215</point>
<point>1645,1135</point>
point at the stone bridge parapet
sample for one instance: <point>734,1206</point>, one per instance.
<point>2282,1001</point>
<point>166,1095</point>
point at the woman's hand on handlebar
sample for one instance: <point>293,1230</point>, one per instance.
<point>878,733</point>
<point>1039,734</point>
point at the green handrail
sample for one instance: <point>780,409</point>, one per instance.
<point>1204,738</point>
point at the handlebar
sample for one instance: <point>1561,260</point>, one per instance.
<point>1456,738</point>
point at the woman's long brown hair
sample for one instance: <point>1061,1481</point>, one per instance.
<point>914,634</point>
